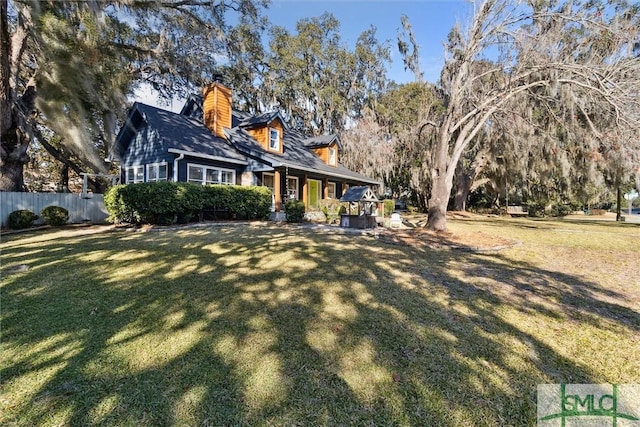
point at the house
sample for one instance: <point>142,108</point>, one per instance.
<point>210,143</point>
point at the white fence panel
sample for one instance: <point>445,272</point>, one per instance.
<point>80,210</point>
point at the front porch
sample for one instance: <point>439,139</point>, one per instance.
<point>287,184</point>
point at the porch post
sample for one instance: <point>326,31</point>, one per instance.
<point>325,190</point>
<point>277,190</point>
<point>305,191</point>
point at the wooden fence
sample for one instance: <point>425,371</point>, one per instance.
<point>81,210</point>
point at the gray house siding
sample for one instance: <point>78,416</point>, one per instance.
<point>147,147</point>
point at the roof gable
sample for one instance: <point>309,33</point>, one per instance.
<point>193,107</point>
<point>359,194</point>
<point>322,141</point>
<point>248,122</point>
<point>179,133</point>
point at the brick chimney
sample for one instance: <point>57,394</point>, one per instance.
<point>217,106</point>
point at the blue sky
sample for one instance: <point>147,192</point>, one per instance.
<point>431,21</point>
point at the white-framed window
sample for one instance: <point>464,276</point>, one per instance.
<point>199,174</point>
<point>331,190</point>
<point>269,181</point>
<point>156,172</point>
<point>333,154</point>
<point>134,174</point>
<point>292,188</point>
<point>274,139</point>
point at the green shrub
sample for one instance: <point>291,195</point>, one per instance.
<point>536,209</point>
<point>117,202</point>
<point>169,202</point>
<point>246,202</point>
<point>153,202</point>
<point>541,209</point>
<point>389,207</point>
<point>331,210</point>
<point>22,218</point>
<point>55,215</point>
<point>253,202</point>
<point>294,211</point>
<point>560,210</point>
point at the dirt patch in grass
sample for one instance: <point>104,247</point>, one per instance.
<point>472,241</point>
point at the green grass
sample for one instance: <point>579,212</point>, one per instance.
<point>265,325</point>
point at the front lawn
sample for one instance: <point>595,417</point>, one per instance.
<point>267,325</point>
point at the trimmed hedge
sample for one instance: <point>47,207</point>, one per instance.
<point>170,202</point>
<point>239,201</point>
<point>55,215</point>
<point>22,218</point>
<point>294,211</point>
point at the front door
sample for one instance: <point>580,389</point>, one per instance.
<point>315,193</point>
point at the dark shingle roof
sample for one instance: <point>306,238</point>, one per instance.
<point>359,194</point>
<point>296,155</point>
<point>186,134</point>
<point>247,121</point>
<point>321,141</point>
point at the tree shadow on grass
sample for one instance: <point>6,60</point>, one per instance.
<point>274,326</point>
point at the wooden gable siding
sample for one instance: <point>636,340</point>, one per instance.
<point>217,108</point>
<point>323,153</point>
<point>261,134</point>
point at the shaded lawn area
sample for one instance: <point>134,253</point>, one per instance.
<point>267,325</point>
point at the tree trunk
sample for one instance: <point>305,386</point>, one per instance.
<point>437,213</point>
<point>463,188</point>
<point>14,109</point>
<point>618,203</point>
<point>467,178</point>
<point>13,157</point>
<point>5,72</point>
<point>441,184</point>
<point>13,151</point>
<point>63,186</point>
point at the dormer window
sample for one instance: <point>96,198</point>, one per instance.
<point>332,156</point>
<point>274,139</point>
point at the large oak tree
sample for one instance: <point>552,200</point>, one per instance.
<point>67,67</point>
<point>544,50</point>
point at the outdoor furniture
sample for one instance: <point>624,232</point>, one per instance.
<point>517,211</point>
<point>396,220</point>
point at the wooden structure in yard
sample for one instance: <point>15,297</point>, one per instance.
<point>517,211</point>
<point>367,208</point>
